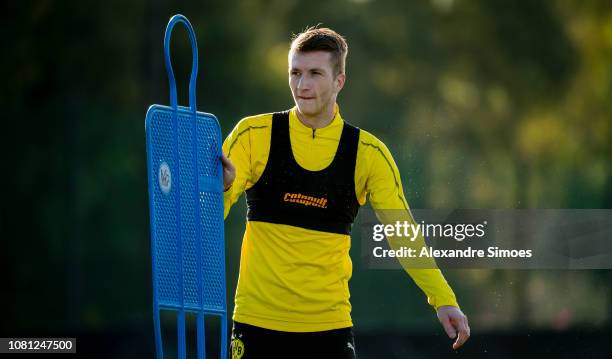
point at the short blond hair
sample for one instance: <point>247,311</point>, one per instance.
<point>323,39</point>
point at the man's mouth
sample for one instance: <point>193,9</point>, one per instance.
<point>305,98</point>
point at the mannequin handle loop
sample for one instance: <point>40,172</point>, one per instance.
<point>180,19</point>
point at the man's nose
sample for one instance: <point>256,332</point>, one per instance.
<point>303,84</point>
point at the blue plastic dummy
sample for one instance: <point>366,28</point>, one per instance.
<point>186,209</point>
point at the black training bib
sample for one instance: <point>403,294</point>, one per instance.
<point>288,194</point>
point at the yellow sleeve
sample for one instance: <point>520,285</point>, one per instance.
<point>237,148</point>
<point>247,146</point>
<point>385,192</point>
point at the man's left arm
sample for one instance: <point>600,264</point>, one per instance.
<point>386,196</point>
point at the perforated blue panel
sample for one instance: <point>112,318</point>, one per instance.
<point>187,215</point>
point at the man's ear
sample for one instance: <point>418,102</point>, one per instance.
<point>339,81</point>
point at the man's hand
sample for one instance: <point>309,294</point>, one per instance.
<point>229,172</point>
<point>453,320</point>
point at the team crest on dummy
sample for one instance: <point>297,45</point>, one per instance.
<point>165,178</point>
<point>237,348</point>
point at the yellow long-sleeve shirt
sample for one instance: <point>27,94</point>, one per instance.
<point>296,279</point>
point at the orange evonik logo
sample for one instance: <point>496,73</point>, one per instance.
<point>320,202</point>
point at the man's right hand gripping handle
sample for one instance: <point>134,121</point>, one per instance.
<point>229,172</point>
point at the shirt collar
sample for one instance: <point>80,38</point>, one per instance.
<point>296,124</point>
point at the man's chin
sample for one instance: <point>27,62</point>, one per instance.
<point>307,111</point>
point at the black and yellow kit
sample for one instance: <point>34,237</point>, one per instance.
<point>304,187</point>
<point>286,193</point>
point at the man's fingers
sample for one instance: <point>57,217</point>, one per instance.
<point>467,326</point>
<point>227,164</point>
<point>464,333</point>
<point>460,340</point>
<point>448,327</point>
<point>229,172</point>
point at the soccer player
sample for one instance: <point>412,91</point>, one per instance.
<point>306,172</point>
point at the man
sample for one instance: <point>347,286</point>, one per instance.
<point>306,172</point>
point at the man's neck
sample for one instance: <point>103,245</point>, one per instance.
<point>319,121</point>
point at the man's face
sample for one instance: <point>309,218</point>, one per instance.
<point>313,84</point>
